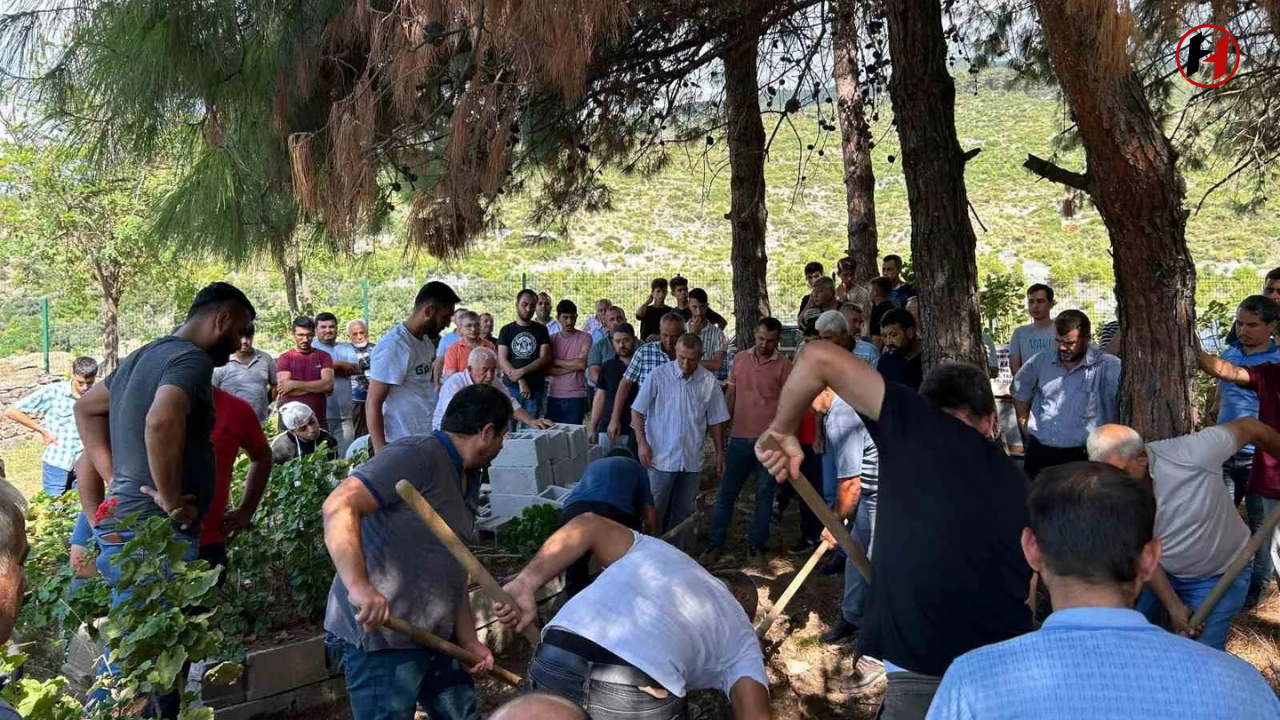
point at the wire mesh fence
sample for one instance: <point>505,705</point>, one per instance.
<point>32,329</point>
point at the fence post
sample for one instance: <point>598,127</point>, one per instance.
<point>44,331</point>
<point>524,282</point>
<point>364,299</point>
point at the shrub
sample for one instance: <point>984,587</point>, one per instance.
<point>525,534</point>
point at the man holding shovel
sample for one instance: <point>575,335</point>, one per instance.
<point>950,511</point>
<point>390,564</point>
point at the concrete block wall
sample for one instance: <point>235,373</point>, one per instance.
<point>533,465</point>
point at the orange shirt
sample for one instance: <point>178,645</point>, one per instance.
<point>455,358</point>
<point>757,388</point>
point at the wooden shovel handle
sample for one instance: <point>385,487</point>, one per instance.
<point>444,647</point>
<point>1233,570</point>
<point>823,513</point>
<point>419,505</point>
<point>790,592</point>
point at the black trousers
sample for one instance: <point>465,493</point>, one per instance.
<point>578,576</point>
<point>1040,456</point>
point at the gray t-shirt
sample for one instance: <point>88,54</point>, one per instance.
<point>1028,340</point>
<point>171,360</point>
<point>422,582</point>
<point>249,381</point>
<point>338,405</point>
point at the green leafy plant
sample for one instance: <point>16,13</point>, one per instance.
<point>1001,303</point>
<point>51,609</point>
<point>525,534</point>
<point>34,698</point>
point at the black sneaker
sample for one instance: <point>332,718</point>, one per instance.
<point>866,673</point>
<point>802,547</point>
<point>841,631</point>
<point>834,566</point>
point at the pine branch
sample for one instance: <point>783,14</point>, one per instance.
<point>1054,173</point>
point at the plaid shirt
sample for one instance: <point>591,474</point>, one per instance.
<point>649,356</point>
<point>54,402</point>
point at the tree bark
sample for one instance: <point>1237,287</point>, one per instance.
<point>855,134</point>
<point>286,257</point>
<point>942,239</point>
<point>1133,180</point>
<point>111,293</point>
<point>748,214</point>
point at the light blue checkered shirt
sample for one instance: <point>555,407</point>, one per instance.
<point>648,357</point>
<point>53,405</point>
<point>866,351</point>
<point>1102,664</point>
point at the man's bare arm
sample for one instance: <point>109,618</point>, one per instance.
<point>624,391</point>
<point>91,487</point>
<point>166,436</point>
<point>826,365</point>
<point>504,364</point>
<point>1223,370</point>
<point>1252,431</point>
<point>343,510</point>
<point>750,700</point>
<point>605,539</point>
<point>377,395</point>
<point>95,429</point>
<point>543,362</point>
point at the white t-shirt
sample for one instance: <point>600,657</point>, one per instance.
<point>659,610</point>
<point>404,362</point>
<point>1199,528</point>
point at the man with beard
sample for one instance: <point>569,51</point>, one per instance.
<point>337,414</point>
<point>609,379</point>
<point>401,399</point>
<point>602,350</point>
<point>358,334</point>
<point>524,355</point>
<point>903,355</point>
<point>1062,396</point>
<point>543,313</point>
<point>305,373</point>
<point>147,428</point>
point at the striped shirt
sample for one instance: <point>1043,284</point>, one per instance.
<point>677,412</point>
<point>1102,664</point>
<point>856,453</point>
<point>55,403</point>
<point>866,351</point>
<point>1066,405</point>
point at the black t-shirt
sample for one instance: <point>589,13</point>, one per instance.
<point>713,317</point>
<point>611,373</point>
<point>525,342</point>
<point>948,574</point>
<point>894,367</point>
<point>652,320</point>
<point>170,360</point>
<point>877,314</point>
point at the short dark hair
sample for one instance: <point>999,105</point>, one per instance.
<point>956,387</point>
<point>84,366</point>
<point>810,328</point>
<point>566,307</point>
<point>1273,275</point>
<point>894,258</point>
<point>625,329</point>
<point>672,317</point>
<point>620,452</point>
<point>326,317</point>
<point>302,321</point>
<point>658,284</point>
<point>1069,320</point>
<point>679,281</point>
<point>769,324</point>
<point>899,317</point>
<point>220,294</point>
<point>700,295</point>
<point>1265,308</point>
<point>249,331</point>
<point>524,292</point>
<point>474,407</point>
<point>813,267</point>
<point>846,263</point>
<point>883,284</point>
<point>743,589</point>
<point>436,293</point>
<point>1091,521</point>
<point>1041,287</point>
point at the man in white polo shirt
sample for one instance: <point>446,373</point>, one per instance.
<point>653,626</point>
<point>482,369</point>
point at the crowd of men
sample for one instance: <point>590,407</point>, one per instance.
<point>1118,532</point>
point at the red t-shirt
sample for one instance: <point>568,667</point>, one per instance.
<point>808,429</point>
<point>305,368</point>
<point>235,427</point>
<point>1264,479</point>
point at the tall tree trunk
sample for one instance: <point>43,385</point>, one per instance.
<point>748,214</point>
<point>286,258</point>
<point>111,293</point>
<point>942,239</point>
<point>855,133</point>
<point>1133,180</point>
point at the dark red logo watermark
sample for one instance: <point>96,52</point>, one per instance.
<point>1211,46</point>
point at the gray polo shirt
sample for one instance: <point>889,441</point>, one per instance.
<point>1066,405</point>
<point>422,582</point>
<point>249,380</point>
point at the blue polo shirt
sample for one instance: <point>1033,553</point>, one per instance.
<point>618,481</point>
<point>1235,402</point>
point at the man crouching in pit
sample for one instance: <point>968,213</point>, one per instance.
<point>653,626</point>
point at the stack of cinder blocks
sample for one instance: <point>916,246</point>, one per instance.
<point>537,466</point>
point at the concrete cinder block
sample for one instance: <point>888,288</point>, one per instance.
<point>81,663</point>
<point>280,669</point>
<point>577,435</point>
<point>520,480</point>
<point>595,453</point>
<point>526,448</point>
<point>294,701</point>
<point>553,495</point>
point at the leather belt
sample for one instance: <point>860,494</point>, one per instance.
<point>616,674</point>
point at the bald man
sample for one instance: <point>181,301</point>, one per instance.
<point>1199,529</point>
<point>538,706</point>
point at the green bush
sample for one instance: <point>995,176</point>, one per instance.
<point>525,534</point>
<point>51,609</point>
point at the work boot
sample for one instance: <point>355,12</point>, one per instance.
<point>842,630</point>
<point>711,555</point>
<point>866,673</point>
<point>802,547</point>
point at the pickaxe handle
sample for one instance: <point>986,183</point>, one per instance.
<point>444,647</point>
<point>828,518</point>
<point>459,550</point>
<point>790,592</point>
<point>1233,570</point>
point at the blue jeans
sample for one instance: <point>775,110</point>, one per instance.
<point>1235,475</point>
<point>740,463</point>
<point>389,684</point>
<point>1192,592</point>
<point>674,494</point>
<point>53,480</point>
<point>601,700</point>
<point>566,410</point>
<point>531,403</point>
<point>108,550</point>
<point>854,602</point>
